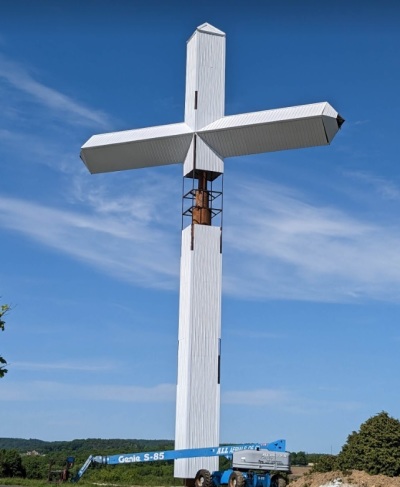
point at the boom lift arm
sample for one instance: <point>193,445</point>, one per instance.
<point>155,456</point>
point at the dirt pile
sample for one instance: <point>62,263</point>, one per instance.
<point>348,479</point>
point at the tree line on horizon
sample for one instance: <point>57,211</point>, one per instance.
<point>374,449</point>
<point>89,445</point>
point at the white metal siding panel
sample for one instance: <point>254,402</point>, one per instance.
<point>205,74</point>
<point>184,371</point>
<point>206,159</point>
<point>133,149</point>
<point>135,135</point>
<point>267,116</point>
<point>329,111</point>
<point>198,391</point>
<point>188,163</point>
<point>210,29</point>
<point>331,127</point>
<point>272,130</point>
<point>211,79</point>
<point>191,81</point>
<point>269,137</point>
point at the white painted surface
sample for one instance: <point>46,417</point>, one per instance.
<point>198,391</point>
<point>205,77</point>
<point>248,133</point>
<point>272,130</point>
<point>206,159</point>
<point>134,149</point>
<point>274,115</point>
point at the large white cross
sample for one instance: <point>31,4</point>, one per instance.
<point>202,142</point>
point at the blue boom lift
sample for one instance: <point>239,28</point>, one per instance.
<point>252,465</point>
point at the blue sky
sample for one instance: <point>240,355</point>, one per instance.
<point>90,264</point>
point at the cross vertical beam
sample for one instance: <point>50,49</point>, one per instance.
<point>198,384</point>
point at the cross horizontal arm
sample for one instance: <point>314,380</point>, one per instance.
<point>133,149</point>
<point>273,130</point>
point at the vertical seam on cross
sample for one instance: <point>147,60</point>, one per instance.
<point>194,175</point>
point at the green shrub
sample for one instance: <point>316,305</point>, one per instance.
<point>375,448</point>
<point>325,463</point>
<point>11,464</point>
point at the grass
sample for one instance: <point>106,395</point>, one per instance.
<point>17,481</point>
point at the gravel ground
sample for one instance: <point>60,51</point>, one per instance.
<point>348,479</point>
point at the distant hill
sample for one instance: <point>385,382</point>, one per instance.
<point>91,445</point>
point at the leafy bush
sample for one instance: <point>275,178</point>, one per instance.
<point>11,464</point>
<point>325,463</point>
<point>299,458</point>
<point>375,448</point>
<point>35,467</point>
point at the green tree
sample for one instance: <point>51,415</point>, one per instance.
<point>301,458</point>
<point>11,464</point>
<point>3,310</point>
<point>375,448</point>
<point>36,467</point>
<point>325,463</point>
<point>298,458</point>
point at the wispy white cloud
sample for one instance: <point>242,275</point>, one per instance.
<point>19,78</point>
<point>289,401</point>
<point>277,245</point>
<point>122,244</point>
<point>256,397</point>
<point>307,406</point>
<point>273,399</point>
<point>244,332</point>
<point>384,188</point>
<point>73,366</point>
<point>149,197</point>
<point>44,390</point>
<point>280,246</point>
<point>41,151</point>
